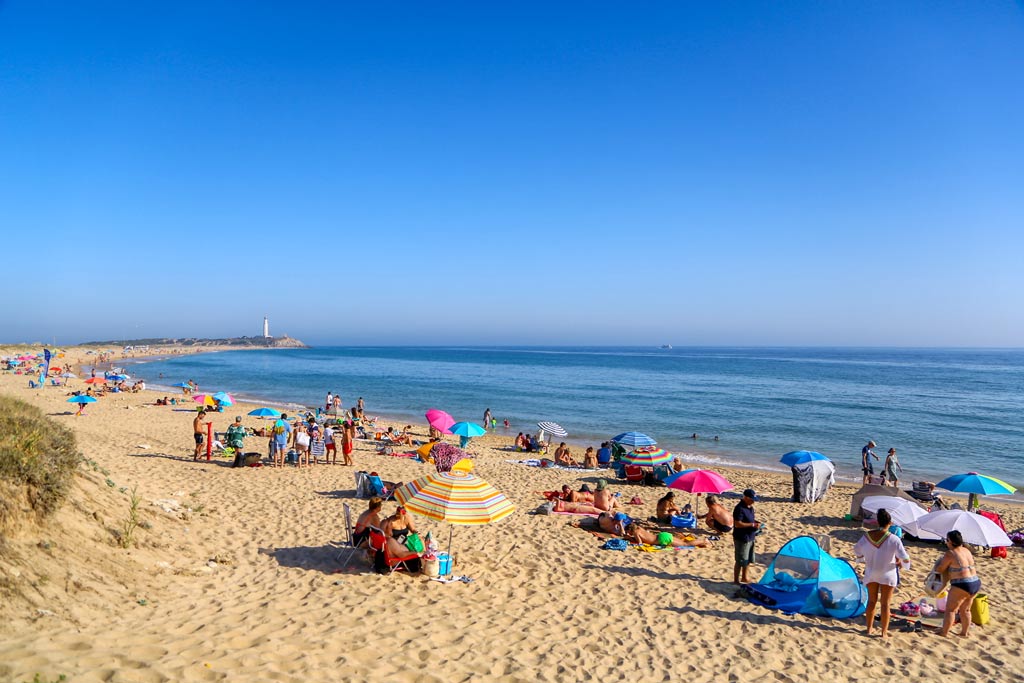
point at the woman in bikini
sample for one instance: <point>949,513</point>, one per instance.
<point>964,583</point>
<point>396,528</point>
<point>883,555</point>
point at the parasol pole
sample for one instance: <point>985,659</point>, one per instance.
<point>451,530</point>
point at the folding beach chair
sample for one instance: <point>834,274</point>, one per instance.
<point>350,546</point>
<point>379,489</point>
<point>634,474</point>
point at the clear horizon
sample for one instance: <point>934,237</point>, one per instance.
<point>753,175</point>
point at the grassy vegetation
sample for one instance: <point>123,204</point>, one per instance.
<point>38,460</point>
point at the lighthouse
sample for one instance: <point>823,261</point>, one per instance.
<point>266,328</point>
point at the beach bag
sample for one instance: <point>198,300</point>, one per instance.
<point>615,544</point>
<point>414,543</point>
<point>979,609</point>
<point>934,583</point>
<point>999,551</point>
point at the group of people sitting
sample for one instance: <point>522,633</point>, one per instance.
<point>530,443</point>
<point>398,530</point>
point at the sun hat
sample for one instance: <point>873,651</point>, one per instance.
<point>749,493</point>
<point>602,484</point>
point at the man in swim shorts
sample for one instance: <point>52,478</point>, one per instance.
<point>197,429</point>
<point>717,517</point>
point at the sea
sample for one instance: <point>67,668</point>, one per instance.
<point>946,411</point>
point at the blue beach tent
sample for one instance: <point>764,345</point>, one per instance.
<point>805,579</point>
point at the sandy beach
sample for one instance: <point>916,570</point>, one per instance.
<point>234,576</point>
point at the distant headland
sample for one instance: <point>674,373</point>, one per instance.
<point>283,342</point>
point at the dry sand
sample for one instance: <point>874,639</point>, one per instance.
<point>234,578</point>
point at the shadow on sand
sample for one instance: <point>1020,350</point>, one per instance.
<point>327,559</point>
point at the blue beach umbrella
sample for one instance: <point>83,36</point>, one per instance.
<point>117,378</point>
<point>634,439</point>
<point>465,431</point>
<point>81,399</point>
<point>468,429</point>
<point>182,385</point>
<point>972,482</point>
<point>794,458</point>
<point>265,412</point>
<point>224,398</point>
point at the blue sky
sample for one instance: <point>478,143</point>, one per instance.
<point>743,173</point>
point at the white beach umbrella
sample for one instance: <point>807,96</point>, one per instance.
<point>903,512</point>
<point>976,530</point>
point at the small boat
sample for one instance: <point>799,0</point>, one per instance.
<point>666,346</point>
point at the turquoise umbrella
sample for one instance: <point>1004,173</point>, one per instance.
<point>265,412</point>
<point>976,484</point>
<point>465,431</point>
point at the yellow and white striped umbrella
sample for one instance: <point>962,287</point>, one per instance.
<point>455,497</point>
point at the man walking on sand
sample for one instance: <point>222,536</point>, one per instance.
<point>197,428</point>
<point>865,461</point>
<point>745,528</point>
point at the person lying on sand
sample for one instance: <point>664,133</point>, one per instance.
<point>637,534</point>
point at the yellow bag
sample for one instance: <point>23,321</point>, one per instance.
<point>979,609</point>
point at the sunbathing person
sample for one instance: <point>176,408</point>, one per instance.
<point>590,459</point>
<point>717,517</point>
<point>666,508</point>
<point>563,458</point>
<point>603,498</point>
<point>521,443</point>
<point>613,523</point>
<point>637,534</point>
<point>370,517</point>
<point>577,508</point>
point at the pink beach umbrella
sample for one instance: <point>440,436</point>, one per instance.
<point>698,481</point>
<point>440,420</point>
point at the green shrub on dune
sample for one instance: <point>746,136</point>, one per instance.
<point>38,460</point>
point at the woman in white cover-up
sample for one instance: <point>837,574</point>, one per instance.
<point>883,553</point>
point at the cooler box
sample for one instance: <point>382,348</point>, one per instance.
<point>444,564</point>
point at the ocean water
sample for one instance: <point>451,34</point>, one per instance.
<point>945,410</point>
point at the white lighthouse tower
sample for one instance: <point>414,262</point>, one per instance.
<point>266,328</point>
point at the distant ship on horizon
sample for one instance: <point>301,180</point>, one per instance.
<point>666,346</point>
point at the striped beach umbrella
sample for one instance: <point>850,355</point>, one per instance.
<point>634,439</point>
<point>648,457</point>
<point>553,428</point>
<point>455,497</point>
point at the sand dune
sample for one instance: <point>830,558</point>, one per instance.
<point>235,578</point>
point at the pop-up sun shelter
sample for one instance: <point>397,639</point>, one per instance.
<point>805,579</point>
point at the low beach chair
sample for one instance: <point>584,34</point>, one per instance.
<point>379,487</point>
<point>384,562</point>
<point>634,474</point>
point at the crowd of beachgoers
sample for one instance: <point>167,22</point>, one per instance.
<point>245,550</point>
